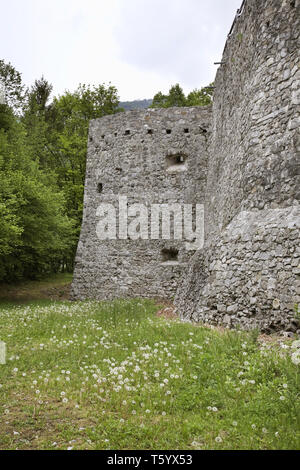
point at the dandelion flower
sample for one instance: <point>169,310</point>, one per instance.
<point>295,357</point>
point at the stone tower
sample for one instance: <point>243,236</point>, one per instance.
<point>154,156</point>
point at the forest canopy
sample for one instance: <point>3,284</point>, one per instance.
<point>176,97</point>
<point>43,143</point>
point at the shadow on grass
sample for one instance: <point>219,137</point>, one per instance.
<point>45,291</point>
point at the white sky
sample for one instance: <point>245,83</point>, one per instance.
<point>139,46</point>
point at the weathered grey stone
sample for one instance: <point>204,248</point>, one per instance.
<point>232,309</point>
<point>129,154</point>
<point>253,174</point>
<point>246,170</point>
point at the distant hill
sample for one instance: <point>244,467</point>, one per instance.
<point>137,104</point>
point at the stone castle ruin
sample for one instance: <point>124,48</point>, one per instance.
<point>151,157</point>
<point>239,158</point>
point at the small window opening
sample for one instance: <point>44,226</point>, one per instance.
<point>102,137</point>
<point>168,131</point>
<point>149,131</point>
<point>175,160</point>
<point>268,24</point>
<point>169,254</point>
<point>116,134</point>
<point>186,131</point>
<point>127,132</point>
<point>99,187</point>
<point>293,3</point>
<point>91,139</point>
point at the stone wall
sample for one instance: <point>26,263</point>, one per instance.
<point>241,161</point>
<point>248,272</point>
<point>249,276</point>
<point>135,154</point>
<point>256,114</point>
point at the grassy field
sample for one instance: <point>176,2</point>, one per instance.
<point>91,375</point>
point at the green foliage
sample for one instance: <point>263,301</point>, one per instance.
<point>12,81</point>
<point>86,103</point>
<point>114,375</point>
<point>6,116</point>
<point>66,129</point>
<point>39,95</point>
<point>176,97</point>
<point>42,170</point>
<point>201,97</point>
<point>35,232</point>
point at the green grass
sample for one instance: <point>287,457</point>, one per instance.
<point>91,375</point>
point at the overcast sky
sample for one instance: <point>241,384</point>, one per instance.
<point>140,46</point>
